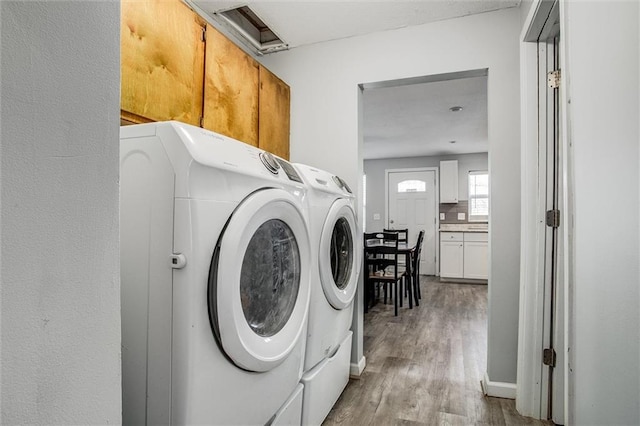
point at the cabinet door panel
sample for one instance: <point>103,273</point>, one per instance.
<point>449,181</point>
<point>451,259</point>
<point>274,114</point>
<point>230,90</point>
<point>162,61</point>
<point>476,260</point>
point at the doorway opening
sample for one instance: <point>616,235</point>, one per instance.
<point>409,128</point>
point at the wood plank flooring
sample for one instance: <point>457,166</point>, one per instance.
<point>424,366</point>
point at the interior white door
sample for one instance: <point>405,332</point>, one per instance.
<point>411,196</point>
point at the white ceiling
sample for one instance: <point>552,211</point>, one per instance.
<point>299,23</point>
<point>400,121</point>
<point>415,120</point>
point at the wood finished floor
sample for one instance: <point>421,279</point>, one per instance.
<point>424,366</point>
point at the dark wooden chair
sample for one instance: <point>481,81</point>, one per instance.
<point>383,268</point>
<point>403,234</point>
<point>415,267</point>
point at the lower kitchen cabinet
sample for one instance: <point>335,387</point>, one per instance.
<point>464,255</point>
<point>451,255</point>
<point>476,263</point>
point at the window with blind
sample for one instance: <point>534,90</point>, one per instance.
<point>479,196</point>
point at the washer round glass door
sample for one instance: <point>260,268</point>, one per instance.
<point>258,283</point>
<point>338,256</point>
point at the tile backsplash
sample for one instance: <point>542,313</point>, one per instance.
<point>451,212</point>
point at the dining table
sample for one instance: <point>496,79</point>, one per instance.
<point>372,247</point>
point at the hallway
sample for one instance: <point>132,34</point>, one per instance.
<point>424,367</point>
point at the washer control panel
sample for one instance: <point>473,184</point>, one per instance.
<point>269,162</point>
<point>289,170</point>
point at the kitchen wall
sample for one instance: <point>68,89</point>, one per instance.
<point>326,109</point>
<point>375,171</point>
<point>60,289</point>
<point>604,140</point>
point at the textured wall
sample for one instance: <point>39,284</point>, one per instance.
<point>325,108</point>
<point>605,139</point>
<point>375,171</point>
<point>59,190</point>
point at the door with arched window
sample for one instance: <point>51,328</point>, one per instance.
<point>411,199</point>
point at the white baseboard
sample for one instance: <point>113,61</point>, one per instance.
<point>355,370</point>
<point>498,389</point>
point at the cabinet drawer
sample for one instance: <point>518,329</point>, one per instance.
<point>451,236</point>
<point>476,236</point>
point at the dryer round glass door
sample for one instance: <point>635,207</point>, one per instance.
<point>338,255</point>
<point>258,282</point>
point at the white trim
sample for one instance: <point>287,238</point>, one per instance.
<point>531,388</point>
<point>530,333</point>
<point>498,389</point>
<point>355,370</point>
<point>436,204</point>
<point>568,236</point>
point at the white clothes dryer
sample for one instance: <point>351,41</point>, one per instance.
<point>215,264</point>
<point>335,268</point>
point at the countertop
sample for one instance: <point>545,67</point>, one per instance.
<point>464,227</point>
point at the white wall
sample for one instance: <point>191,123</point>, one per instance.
<point>604,138</point>
<point>375,171</point>
<point>59,190</point>
<point>324,82</point>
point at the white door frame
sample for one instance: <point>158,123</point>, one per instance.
<point>531,399</point>
<point>436,203</point>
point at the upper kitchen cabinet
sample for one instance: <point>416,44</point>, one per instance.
<point>230,89</point>
<point>162,62</point>
<point>449,181</point>
<point>274,114</point>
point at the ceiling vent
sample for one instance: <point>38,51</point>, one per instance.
<point>250,27</point>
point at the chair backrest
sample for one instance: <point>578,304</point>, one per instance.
<point>403,234</point>
<point>420,239</point>
<point>418,252</point>
<point>387,250</point>
<point>388,241</point>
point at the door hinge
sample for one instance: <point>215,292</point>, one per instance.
<point>553,79</point>
<point>549,357</point>
<point>204,33</point>
<point>553,218</point>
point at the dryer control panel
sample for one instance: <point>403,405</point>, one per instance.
<point>269,162</point>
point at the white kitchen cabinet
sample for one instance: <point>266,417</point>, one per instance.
<point>451,255</point>
<point>464,255</point>
<point>449,181</point>
<point>476,260</point>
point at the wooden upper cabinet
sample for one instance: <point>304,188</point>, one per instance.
<point>230,90</point>
<point>274,114</point>
<point>162,61</point>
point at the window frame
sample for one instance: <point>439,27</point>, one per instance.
<point>475,217</point>
<point>422,185</point>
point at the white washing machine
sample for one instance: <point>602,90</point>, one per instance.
<point>335,267</point>
<point>215,264</point>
